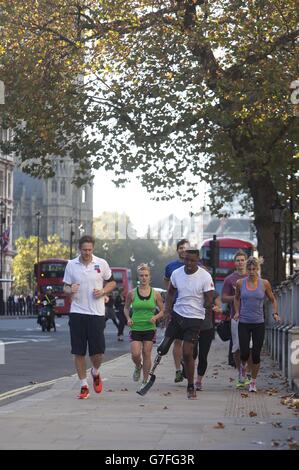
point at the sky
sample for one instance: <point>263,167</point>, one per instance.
<point>136,202</point>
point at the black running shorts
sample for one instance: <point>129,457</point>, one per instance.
<point>148,335</point>
<point>87,329</point>
<point>186,329</point>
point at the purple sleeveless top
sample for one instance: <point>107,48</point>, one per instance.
<point>252,302</point>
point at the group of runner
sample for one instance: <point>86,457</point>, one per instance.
<point>188,311</point>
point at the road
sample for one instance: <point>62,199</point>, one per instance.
<point>31,356</point>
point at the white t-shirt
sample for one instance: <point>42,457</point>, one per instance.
<point>89,277</point>
<point>191,288</point>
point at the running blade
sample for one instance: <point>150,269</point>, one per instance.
<point>147,386</point>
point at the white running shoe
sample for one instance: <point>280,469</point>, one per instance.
<point>252,387</point>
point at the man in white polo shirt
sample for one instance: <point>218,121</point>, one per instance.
<point>84,279</point>
<point>194,287</point>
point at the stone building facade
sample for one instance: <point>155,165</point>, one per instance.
<point>6,211</point>
<point>52,206</point>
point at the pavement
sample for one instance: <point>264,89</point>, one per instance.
<point>48,416</point>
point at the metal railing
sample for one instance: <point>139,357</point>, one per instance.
<point>282,340</point>
<point>18,309</point>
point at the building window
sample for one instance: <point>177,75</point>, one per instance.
<point>54,186</point>
<point>62,188</point>
<point>53,226</point>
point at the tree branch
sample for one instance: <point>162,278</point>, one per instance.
<point>235,71</point>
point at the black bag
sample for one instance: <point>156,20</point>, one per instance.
<point>223,330</point>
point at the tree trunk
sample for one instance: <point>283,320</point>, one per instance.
<point>268,234</point>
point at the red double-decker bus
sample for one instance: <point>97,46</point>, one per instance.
<point>227,250</point>
<point>123,278</point>
<point>50,272</point>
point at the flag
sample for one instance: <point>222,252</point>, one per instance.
<point>5,239</point>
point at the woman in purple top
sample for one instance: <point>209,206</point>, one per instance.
<point>249,302</point>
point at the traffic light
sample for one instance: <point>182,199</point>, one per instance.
<point>214,253</point>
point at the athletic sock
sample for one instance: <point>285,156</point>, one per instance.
<point>83,383</point>
<point>95,371</point>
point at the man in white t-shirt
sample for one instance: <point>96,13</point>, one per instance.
<point>194,288</point>
<point>84,279</point>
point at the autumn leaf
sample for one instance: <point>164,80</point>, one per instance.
<point>219,425</point>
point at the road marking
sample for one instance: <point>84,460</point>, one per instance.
<point>13,342</point>
<point>28,388</point>
<point>26,340</point>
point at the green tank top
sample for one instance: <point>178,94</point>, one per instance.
<point>143,311</point>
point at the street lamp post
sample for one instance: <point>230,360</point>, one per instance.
<point>72,233</point>
<point>38,217</point>
<point>2,221</point>
<point>277,219</point>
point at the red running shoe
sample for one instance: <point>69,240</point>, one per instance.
<point>84,393</point>
<point>97,383</point>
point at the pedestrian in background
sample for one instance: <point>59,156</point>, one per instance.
<point>119,304</point>
<point>109,310</point>
<point>206,336</point>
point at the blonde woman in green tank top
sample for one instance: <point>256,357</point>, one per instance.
<point>144,301</point>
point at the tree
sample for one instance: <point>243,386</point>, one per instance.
<point>23,263</point>
<point>120,248</point>
<point>172,89</point>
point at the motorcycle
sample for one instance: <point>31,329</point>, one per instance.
<point>47,316</point>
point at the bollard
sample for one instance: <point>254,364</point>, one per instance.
<point>285,349</point>
<point>293,363</point>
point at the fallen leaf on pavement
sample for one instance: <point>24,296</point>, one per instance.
<point>294,427</point>
<point>219,426</point>
<point>244,395</point>
<point>252,414</point>
<point>277,424</point>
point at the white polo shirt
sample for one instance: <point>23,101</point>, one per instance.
<point>191,288</point>
<point>89,277</point>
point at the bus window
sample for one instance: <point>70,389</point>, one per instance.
<point>123,279</point>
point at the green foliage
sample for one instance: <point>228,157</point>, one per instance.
<point>23,263</point>
<point>131,251</point>
<point>171,89</point>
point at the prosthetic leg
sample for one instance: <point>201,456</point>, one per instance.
<point>162,349</point>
